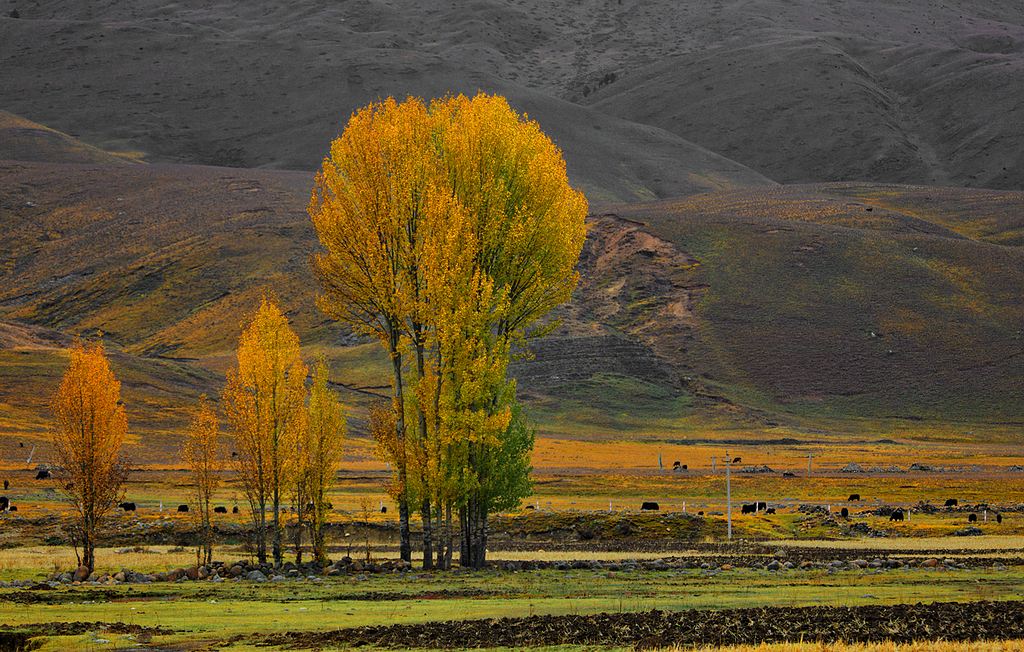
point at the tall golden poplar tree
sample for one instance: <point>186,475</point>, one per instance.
<point>326,429</point>
<point>90,430</point>
<point>366,205</point>
<point>264,399</point>
<point>510,180</point>
<point>202,452</point>
<point>450,232</point>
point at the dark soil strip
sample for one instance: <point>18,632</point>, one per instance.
<point>968,621</point>
<point>76,628</point>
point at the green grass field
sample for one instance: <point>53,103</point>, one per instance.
<point>205,612</point>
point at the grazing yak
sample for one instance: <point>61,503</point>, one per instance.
<point>43,475</point>
<point>5,502</point>
<point>234,510</point>
<point>770,510</point>
<point>999,518</point>
<point>897,515</point>
<point>649,506</point>
<point>853,497</point>
<point>952,502</point>
<point>748,509</point>
<point>972,518</point>
<point>845,513</point>
<point>7,485</point>
<point>761,506</point>
<point>789,474</point>
<point>128,507</point>
<point>383,509</point>
<point>220,509</point>
<point>182,508</point>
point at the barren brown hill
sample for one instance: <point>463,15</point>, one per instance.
<point>910,92</point>
<point>269,85</point>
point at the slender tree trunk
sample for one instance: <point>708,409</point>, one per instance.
<point>481,555</point>
<point>463,536</point>
<point>404,536</point>
<point>448,535</point>
<point>297,535</point>
<point>276,523</point>
<point>421,422</point>
<point>88,551</point>
<point>428,548</point>
<point>317,529</point>
<point>261,533</point>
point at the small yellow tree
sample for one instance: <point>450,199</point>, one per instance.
<point>202,452</point>
<point>264,399</point>
<point>326,429</point>
<point>90,430</point>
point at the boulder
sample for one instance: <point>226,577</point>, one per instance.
<point>256,576</point>
<point>81,574</point>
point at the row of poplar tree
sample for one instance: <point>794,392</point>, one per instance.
<point>287,441</point>
<point>449,232</point>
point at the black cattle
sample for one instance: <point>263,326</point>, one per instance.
<point>220,509</point>
<point>383,509</point>
<point>529,507</point>
<point>649,506</point>
<point>7,485</point>
<point>897,515</point>
<point>128,507</point>
<point>43,475</point>
<point>845,513</point>
<point>748,509</point>
<point>789,474</point>
<point>952,502</point>
<point>972,518</point>
<point>736,460</point>
<point>761,506</point>
<point>770,510</point>
<point>5,502</point>
<point>12,508</point>
<point>234,510</point>
<point>853,497</point>
<point>182,508</point>
<point>999,518</point>
<point>700,513</point>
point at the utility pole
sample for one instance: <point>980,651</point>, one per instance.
<point>728,493</point>
<point>810,456</point>
<point>714,464</point>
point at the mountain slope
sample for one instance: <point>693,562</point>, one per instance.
<point>801,90</point>
<point>753,309</point>
<point>244,91</point>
